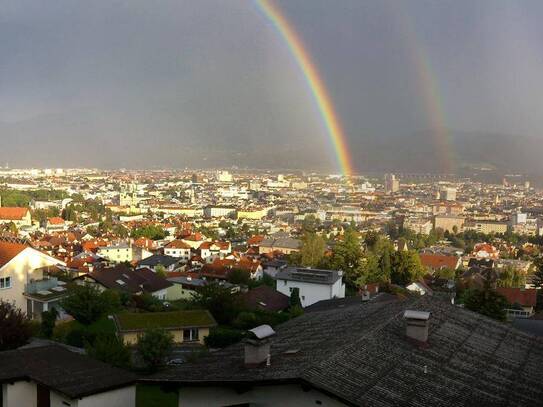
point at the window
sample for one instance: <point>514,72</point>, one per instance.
<point>5,282</point>
<point>190,334</point>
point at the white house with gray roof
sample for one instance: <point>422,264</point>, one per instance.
<point>314,285</point>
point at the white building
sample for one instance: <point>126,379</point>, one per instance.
<point>313,285</point>
<point>54,376</point>
<point>178,249</point>
<point>20,267</point>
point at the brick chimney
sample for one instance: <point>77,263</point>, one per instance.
<point>417,325</point>
<point>257,346</point>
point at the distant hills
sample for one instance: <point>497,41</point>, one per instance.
<point>89,139</point>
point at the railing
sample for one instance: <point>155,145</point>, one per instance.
<point>516,313</point>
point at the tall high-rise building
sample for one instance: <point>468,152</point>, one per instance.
<point>448,194</point>
<point>392,184</point>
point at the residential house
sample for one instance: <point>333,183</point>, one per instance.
<point>55,224</point>
<point>434,262</point>
<point>285,245</point>
<point>155,261</point>
<point>522,301</point>
<point>183,287</point>
<point>211,251</point>
<point>19,216</point>
<point>194,240</point>
<point>125,279</point>
<point>54,376</point>
<point>117,253</point>
<point>22,271</point>
<point>178,249</point>
<point>314,285</point>
<point>266,298</point>
<point>190,326</point>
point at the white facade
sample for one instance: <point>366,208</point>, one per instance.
<point>20,271</point>
<point>116,254</point>
<point>311,292</point>
<point>291,395</point>
<point>177,252</point>
<point>24,394</point>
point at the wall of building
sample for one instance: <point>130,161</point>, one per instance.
<point>311,293</point>
<point>21,269</point>
<point>131,338</point>
<point>19,394</point>
<point>263,396</point>
<point>124,397</point>
<point>60,400</point>
<point>177,292</point>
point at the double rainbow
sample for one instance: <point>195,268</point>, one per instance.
<point>314,82</point>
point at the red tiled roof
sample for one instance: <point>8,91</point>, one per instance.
<point>55,221</point>
<point>525,297</point>
<point>222,245</point>
<point>196,237</point>
<point>9,250</point>
<point>177,244</point>
<point>438,261</point>
<point>8,213</point>
<point>255,240</point>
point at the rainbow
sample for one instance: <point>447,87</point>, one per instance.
<point>428,86</point>
<point>314,82</point>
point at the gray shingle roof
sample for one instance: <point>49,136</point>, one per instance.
<point>359,353</point>
<point>308,275</point>
<point>59,369</point>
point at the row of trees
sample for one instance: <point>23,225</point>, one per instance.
<point>379,263</point>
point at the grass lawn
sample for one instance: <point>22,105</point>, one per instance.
<point>153,396</point>
<point>103,326</point>
<point>168,319</point>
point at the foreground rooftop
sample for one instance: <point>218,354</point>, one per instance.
<point>359,353</point>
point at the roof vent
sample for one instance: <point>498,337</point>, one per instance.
<point>417,325</point>
<point>257,346</point>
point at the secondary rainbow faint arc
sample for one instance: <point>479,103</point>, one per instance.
<point>314,82</point>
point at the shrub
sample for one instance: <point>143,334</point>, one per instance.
<point>153,347</point>
<point>110,349</point>
<point>220,337</point>
<point>48,319</point>
<point>15,326</point>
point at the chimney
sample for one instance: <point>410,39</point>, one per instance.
<point>257,346</point>
<point>417,325</point>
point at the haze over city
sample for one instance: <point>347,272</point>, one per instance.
<point>415,84</point>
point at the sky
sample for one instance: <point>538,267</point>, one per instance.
<point>210,83</point>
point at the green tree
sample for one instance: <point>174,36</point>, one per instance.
<point>110,349</point>
<point>406,267</point>
<point>486,302</point>
<point>152,232</point>
<point>347,256</point>
<point>511,277</point>
<point>295,298</point>
<point>312,251</point>
<point>238,276</point>
<point>220,301</point>
<point>87,304</point>
<point>160,270</point>
<point>48,320</point>
<point>310,223</point>
<point>153,347</point>
<point>15,327</point>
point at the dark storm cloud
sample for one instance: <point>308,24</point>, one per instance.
<point>210,83</point>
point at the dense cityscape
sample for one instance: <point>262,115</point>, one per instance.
<point>219,275</point>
